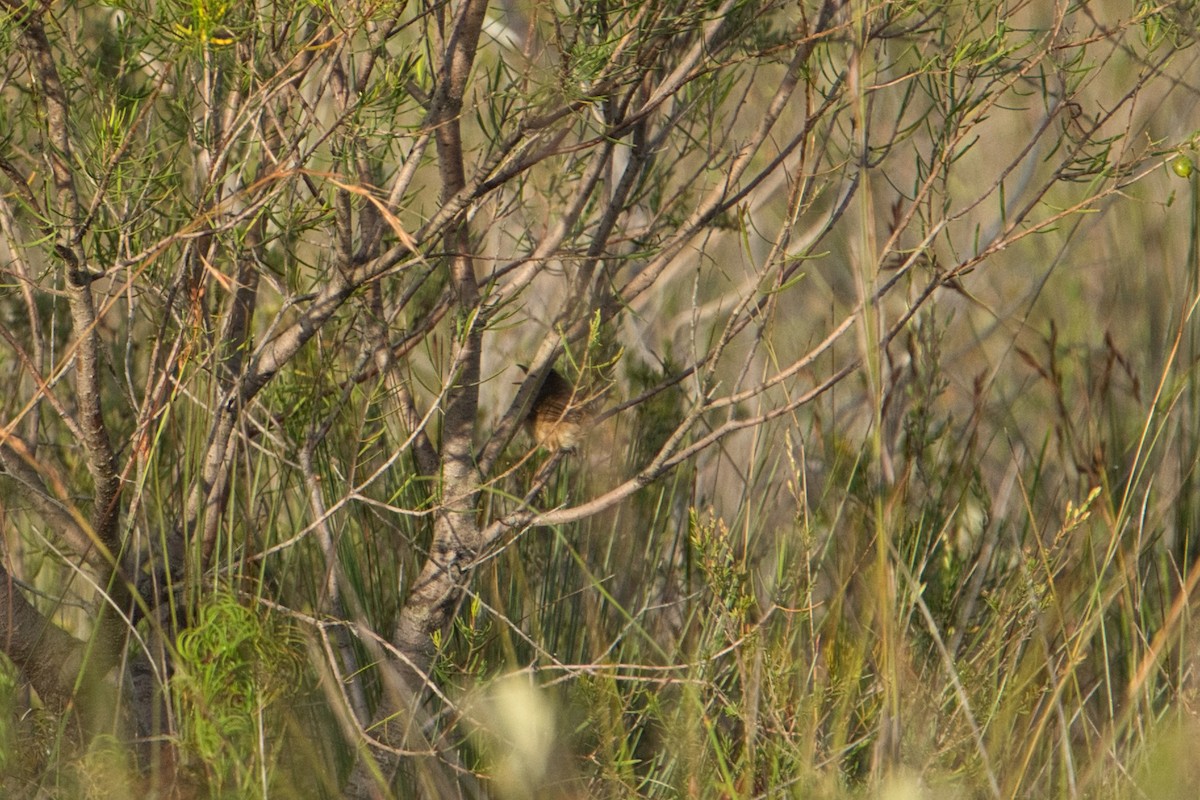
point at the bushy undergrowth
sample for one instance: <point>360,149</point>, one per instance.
<point>888,486</point>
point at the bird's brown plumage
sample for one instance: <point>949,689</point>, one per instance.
<point>558,414</point>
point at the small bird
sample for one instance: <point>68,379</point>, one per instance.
<point>558,414</point>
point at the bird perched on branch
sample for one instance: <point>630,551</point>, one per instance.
<point>559,412</point>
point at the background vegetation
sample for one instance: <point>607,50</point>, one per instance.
<point>886,310</point>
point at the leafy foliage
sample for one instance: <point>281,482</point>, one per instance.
<point>883,315</point>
